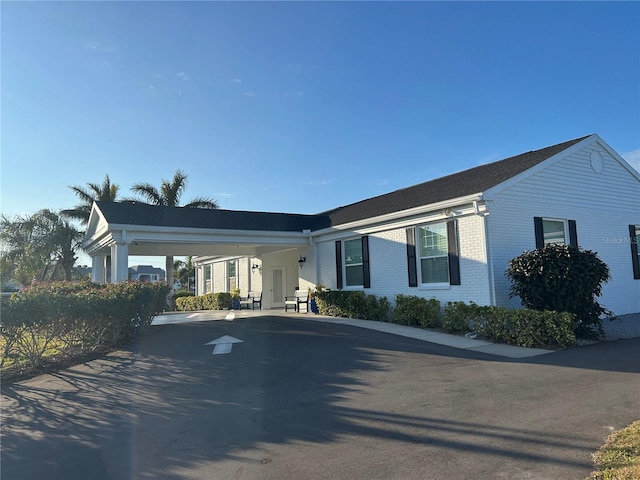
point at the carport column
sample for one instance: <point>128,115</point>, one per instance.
<point>98,268</point>
<point>119,262</point>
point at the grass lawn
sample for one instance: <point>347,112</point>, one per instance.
<point>619,457</point>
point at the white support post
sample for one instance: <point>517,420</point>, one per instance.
<point>98,269</point>
<point>198,280</point>
<point>119,262</point>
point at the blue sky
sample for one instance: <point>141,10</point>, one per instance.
<point>302,106</point>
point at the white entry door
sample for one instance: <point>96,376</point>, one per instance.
<point>277,287</point>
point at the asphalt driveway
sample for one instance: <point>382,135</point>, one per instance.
<point>307,400</point>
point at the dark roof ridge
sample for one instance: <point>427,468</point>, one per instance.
<point>128,213</point>
<point>143,204</point>
<point>458,184</point>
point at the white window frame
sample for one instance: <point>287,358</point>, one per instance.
<point>419,257</point>
<point>229,277</point>
<point>351,265</point>
<point>207,282</point>
<point>565,230</point>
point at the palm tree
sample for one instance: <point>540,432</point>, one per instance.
<point>169,196</point>
<point>34,244</point>
<point>107,192</point>
<point>185,272</point>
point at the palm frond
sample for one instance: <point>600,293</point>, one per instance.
<point>202,202</point>
<point>149,192</point>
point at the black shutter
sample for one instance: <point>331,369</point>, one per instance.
<point>635,260</point>
<point>338,264</point>
<point>365,262</point>
<point>573,233</point>
<point>411,257</point>
<point>454,257</point>
<point>537,224</point>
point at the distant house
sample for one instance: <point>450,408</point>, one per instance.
<point>449,238</point>
<point>146,273</point>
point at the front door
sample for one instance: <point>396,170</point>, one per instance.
<point>277,287</point>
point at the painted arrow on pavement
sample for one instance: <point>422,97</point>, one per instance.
<point>223,344</point>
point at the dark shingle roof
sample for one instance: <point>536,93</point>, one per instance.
<point>467,182</point>
<point>152,215</point>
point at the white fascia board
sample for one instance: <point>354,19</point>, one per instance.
<point>403,217</point>
<point>97,227</point>
<point>205,231</point>
<point>145,233</point>
<point>206,259</point>
<point>94,245</point>
<point>488,194</point>
<point>436,213</point>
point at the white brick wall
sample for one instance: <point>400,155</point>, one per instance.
<point>388,264</point>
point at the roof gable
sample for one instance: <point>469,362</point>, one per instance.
<point>468,182</point>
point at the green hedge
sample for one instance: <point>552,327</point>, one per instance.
<point>210,301</point>
<point>526,328</point>
<point>338,303</point>
<point>65,318</point>
<point>418,311</point>
<point>458,316</point>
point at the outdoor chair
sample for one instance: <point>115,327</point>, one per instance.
<point>253,299</point>
<point>299,298</point>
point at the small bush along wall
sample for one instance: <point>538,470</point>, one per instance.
<point>562,278</point>
<point>64,318</point>
<point>210,301</point>
<point>339,303</point>
<point>417,311</point>
<point>459,317</point>
<point>525,328</point>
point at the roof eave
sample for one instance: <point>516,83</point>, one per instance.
<point>402,214</point>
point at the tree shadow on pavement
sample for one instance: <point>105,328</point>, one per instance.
<point>167,408</point>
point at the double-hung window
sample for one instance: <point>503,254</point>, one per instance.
<point>208,279</point>
<point>232,279</point>
<point>554,230</point>
<point>352,263</point>
<point>433,253</point>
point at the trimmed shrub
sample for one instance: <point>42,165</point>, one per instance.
<point>526,328</point>
<point>417,311</point>
<point>209,301</point>
<point>183,293</point>
<point>339,303</point>
<point>562,278</point>
<point>458,317</point>
<point>65,318</point>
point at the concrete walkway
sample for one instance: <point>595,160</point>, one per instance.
<point>454,341</point>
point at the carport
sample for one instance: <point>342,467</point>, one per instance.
<point>118,230</point>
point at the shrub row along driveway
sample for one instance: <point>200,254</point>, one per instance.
<point>308,400</point>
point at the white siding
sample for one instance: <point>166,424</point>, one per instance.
<point>603,205</point>
<point>388,265</point>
